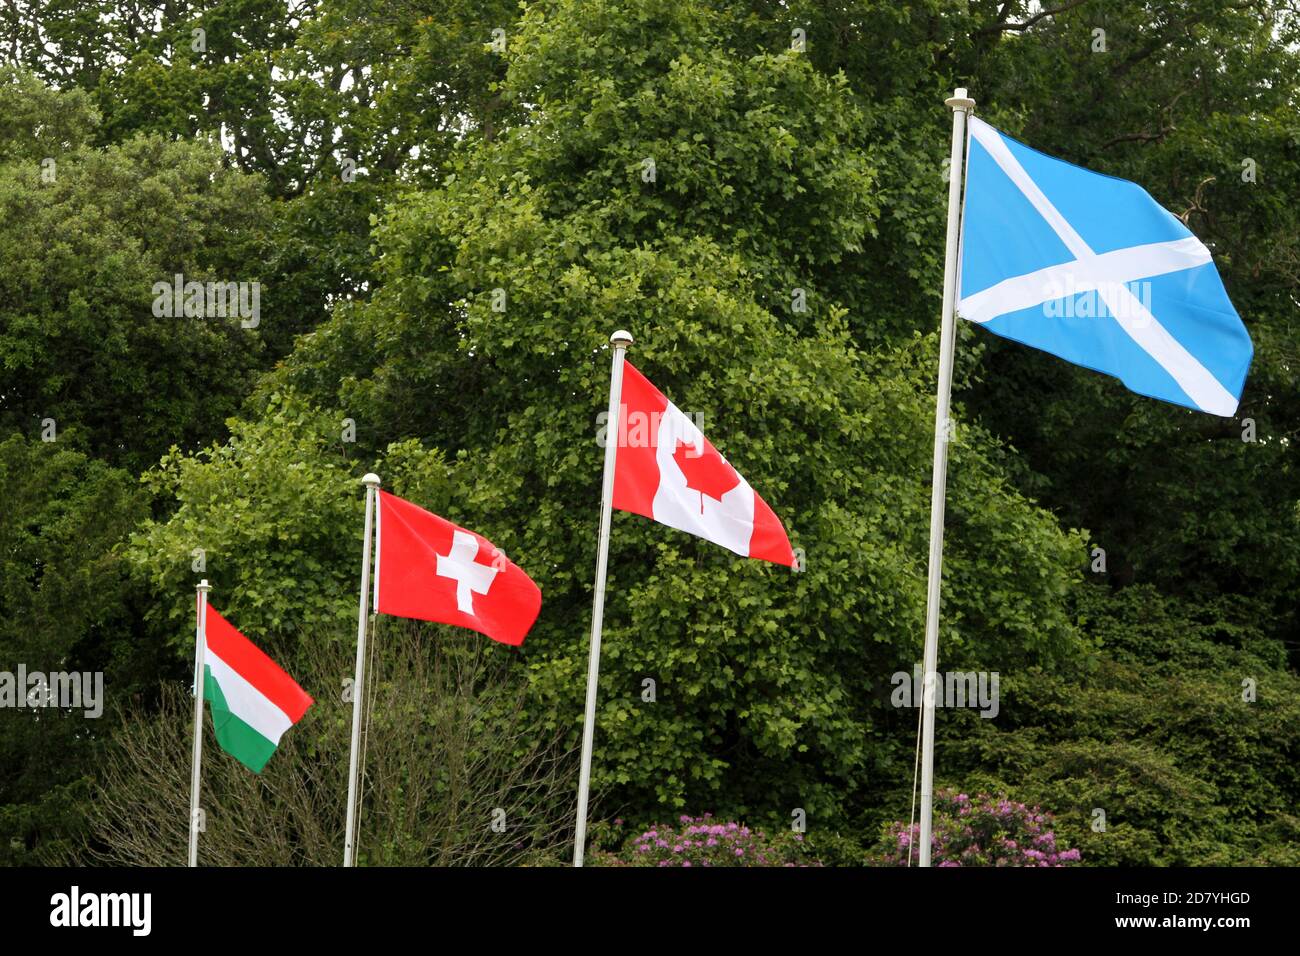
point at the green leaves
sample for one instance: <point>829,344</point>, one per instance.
<point>64,606</point>
<point>1158,735</point>
<point>767,683</point>
<point>273,516</point>
<point>80,339</point>
<point>455,231</point>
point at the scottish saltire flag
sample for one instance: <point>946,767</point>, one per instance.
<point>1091,269</point>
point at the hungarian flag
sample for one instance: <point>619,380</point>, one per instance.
<point>253,701</point>
<point>433,570</point>
<point>665,469</point>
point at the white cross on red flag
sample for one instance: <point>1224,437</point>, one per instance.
<point>430,569</point>
<point>665,469</point>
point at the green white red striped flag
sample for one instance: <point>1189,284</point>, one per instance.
<point>253,701</point>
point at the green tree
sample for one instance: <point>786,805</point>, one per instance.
<point>1196,101</point>
<point>770,686</point>
<point>65,605</point>
<point>764,210</point>
<point>85,238</point>
<point>273,516</point>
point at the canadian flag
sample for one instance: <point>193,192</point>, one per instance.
<point>430,569</point>
<point>666,469</point>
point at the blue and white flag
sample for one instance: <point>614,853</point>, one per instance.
<point>1093,270</point>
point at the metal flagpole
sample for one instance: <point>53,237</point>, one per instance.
<point>961,105</point>
<point>371,481</point>
<point>620,340</point>
<point>200,647</point>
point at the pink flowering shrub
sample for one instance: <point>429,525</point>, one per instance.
<point>703,841</point>
<point>980,831</point>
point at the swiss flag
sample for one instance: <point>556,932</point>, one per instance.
<point>665,469</point>
<point>430,569</point>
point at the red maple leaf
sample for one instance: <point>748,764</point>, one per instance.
<point>706,472</point>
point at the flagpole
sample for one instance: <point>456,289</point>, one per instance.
<point>619,341</point>
<point>200,647</point>
<point>961,105</point>
<point>371,481</point>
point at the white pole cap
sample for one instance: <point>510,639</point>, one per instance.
<point>959,100</point>
<point>204,585</point>
<point>371,480</point>
<point>621,339</point>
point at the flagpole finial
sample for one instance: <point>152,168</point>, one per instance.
<point>204,585</point>
<point>959,100</point>
<point>621,339</point>
<point>371,480</point>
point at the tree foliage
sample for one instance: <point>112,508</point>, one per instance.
<point>65,605</point>
<point>766,682</point>
<point>449,221</point>
<point>80,340</point>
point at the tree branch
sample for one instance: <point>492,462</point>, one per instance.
<point>1003,27</point>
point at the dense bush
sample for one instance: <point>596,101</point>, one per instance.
<point>455,774</point>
